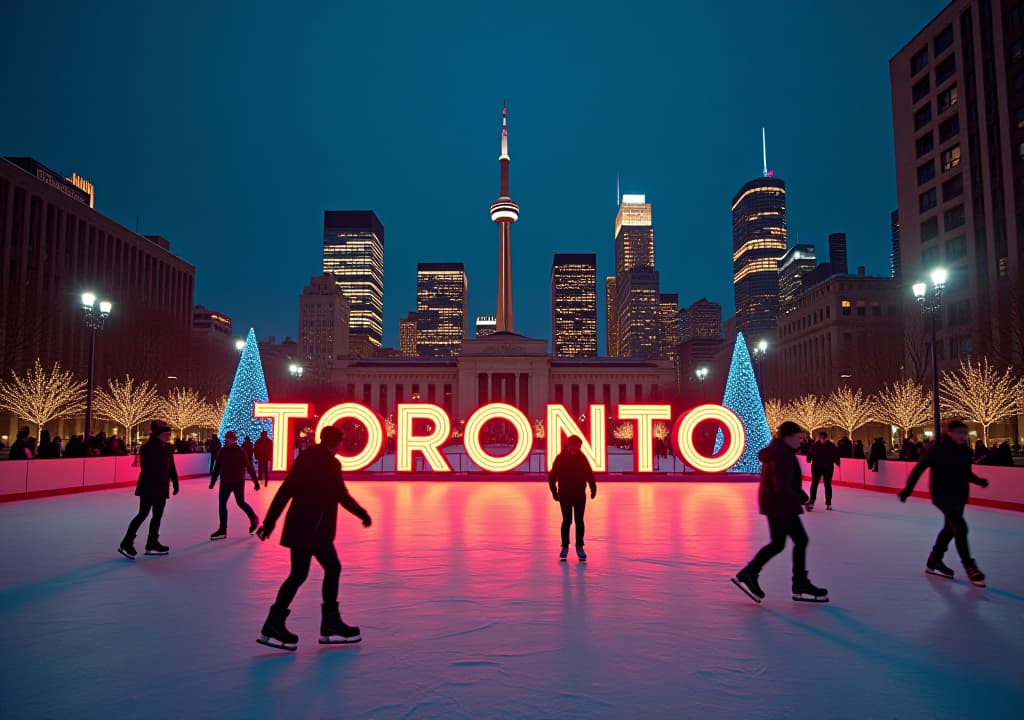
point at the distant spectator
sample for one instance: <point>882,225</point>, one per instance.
<point>213,445</point>
<point>264,451</point>
<point>76,447</point>
<point>910,452</point>
<point>1001,456</point>
<point>248,447</point>
<point>980,451</point>
<point>845,447</point>
<point>32,450</point>
<point>58,446</point>
<point>858,450</point>
<point>21,450</point>
<point>47,450</point>
<point>877,454</point>
<point>115,446</point>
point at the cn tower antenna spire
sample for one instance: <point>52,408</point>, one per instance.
<point>504,212</point>
<point>764,153</point>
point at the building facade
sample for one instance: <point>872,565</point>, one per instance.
<point>611,315</point>
<point>486,325</point>
<point>574,305</point>
<point>353,255</point>
<point>324,322</point>
<point>703,320</point>
<point>758,243</point>
<point>670,334</point>
<point>958,122</point>
<point>637,284</point>
<point>407,336</point>
<point>798,261</point>
<point>442,296</point>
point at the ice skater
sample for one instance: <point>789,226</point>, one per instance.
<point>231,466</point>
<point>263,451</point>
<point>569,477</point>
<point>824,458</point>
<point>157,472</point>
<point>781,498</point>
<point>950,462</point>
<point>315,487</point>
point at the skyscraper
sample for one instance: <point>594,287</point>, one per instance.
<point>504,212</point>
<point>637,295</point>
<point>669,332</point>
<point>324,320</point>
<point>958,124</point>
<point>407,336</point>
<point>837,253</point>
<point>758,243</point>
<point>894,228</point>
<point>703,320</point>
<point>574,305</point>
<point>486,325</point>
<point>798,261</point>
<point>611,313</point>
<point>441,300</point>
<point>634,234</point>
<point>354,257</point>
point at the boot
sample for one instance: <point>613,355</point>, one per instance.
<point>332,630</point>
<point>746,580</point>
<point>976,576</point>
<point>805,591</point>
<point>935,566</point>
<point>564,554</point>
<point>153,547</point>
<point>127,547</point>
<point>219,534</point>
<point>275,634</point>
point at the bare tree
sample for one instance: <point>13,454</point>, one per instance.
<point>980,393</point>
<point>849,409</point>
<point>916,341</point>
<point>41,395</point>
<point>808,411</point>
<point>184,408</point>
<point>904,404</point>
<point>127,402</point>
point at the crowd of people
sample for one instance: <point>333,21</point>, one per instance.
<point>47,447</point>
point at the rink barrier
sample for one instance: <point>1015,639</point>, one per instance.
<point>1005,490</point>
<point>25,479</point>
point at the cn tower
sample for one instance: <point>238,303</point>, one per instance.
<point>504,211</point>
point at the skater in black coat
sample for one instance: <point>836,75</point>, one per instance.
<point>876,454</point>
<point>214,446</point>
<point>951,476</point>
<point>824,457</point>
<point>781,497</point>
<point>315,488</point>
<point>156,474</point>
<point>568,479</point>
<point>231,466</point>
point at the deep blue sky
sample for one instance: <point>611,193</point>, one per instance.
<point>230,129</point>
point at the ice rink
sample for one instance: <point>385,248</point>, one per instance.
<point>467,613</point>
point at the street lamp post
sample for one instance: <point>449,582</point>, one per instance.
<point>95,316</point>
<point>930,300</point>
<point>295,370</point>
<point>239,345</point>
<point>702,374</point>
<point>760,350</point>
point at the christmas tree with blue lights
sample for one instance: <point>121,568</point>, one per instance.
<point>250,386</point>
<point>743,397</point>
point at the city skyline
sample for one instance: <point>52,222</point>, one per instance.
<point>210,196</point>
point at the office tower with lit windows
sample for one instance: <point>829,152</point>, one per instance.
<point>703,320</point>
<point>486,325</point>
<point>894,258</point>
<point>324,321</point>
<point>354,257</point>
<point>958,124</point>
<point>670,335</point>
<point>442,292</point>
<point>407,336</point>
<point>637,295</point>
<point>758,243</point>
<point>611,314</point>
<point>798,261</point>
<point>574,305</point>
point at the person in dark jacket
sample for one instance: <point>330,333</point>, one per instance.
<point>20,448</point>
<point>910,450</point>
<point>248,446</point>
<point>824,457</point>
<point>781,498</point>
<point>75,447</point>
<point>156,474</point>
<point>568,479</point>
<point>232,464</point>
<point>858,450</point>
<point>980,451</point>
<point>47,449</point>
<point>876,454</point>
<point>263,450</point>
<point>214,446</point>
<point>845,447</point>
<point>951,476</point>
<point>1001,456</point>
<point>315,487</point>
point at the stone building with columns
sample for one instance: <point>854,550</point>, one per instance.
<point>504,367</point>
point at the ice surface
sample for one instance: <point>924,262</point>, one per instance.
<point>467,613</point>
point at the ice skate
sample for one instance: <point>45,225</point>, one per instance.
<point>805,591</point>
<point>564,555</point>
<point>333,631</point>
<point>935,566</point>
<point>127,548</point>
<point>746,580</point>
<point>976,576</point>
<point>153,547</point>
<point>809,507</point>
<point>828,507</point>
<point>253,524</point>
<point>219,534</point>
<point>275,634</point>
<point>580,554</point>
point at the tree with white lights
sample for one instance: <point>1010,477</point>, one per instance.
<point>808,412</point>
<point>774,413</point>
<point>127,402</point>
<point>850,409</point>
<point>904,404</point>
<point>184,408</point>
<point>42,395</point>
<point>980,393</point>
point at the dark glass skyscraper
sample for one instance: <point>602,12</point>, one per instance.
<point>837,253</point>
<point>798,261</point>
<point>354,256</point>
<point>441,299</point>
<point>758,243</point>
<point>574,305</point>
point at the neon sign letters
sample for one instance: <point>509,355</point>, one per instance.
<point>423,429</point>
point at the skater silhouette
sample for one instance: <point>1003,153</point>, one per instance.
<point>156,459</point>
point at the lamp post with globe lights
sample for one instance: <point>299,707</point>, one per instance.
<point>929,298</point>
<point>96,315</point>
<point>760,350</point>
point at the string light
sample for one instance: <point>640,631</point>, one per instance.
<point>743,397</point>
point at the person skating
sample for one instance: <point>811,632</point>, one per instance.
<point>214,446</point>
<point>824,457</point>
<point>157,472</point>
<point>950,463</point>
<point>231,466</point>
<point>315,488</point>
<point>263,451</point>
<point>568,479</point>
<point>781,498</point>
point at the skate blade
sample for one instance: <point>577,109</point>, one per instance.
<point>220,537</point>
<point>746,592</point>
<point>978,583</point>
<point>810,598</point>
<point>157,552</point>
<point>276,644</point>
<point>936,573</point>
<point>563,559</point>
<point>130,557</point>
<point>340,640</point>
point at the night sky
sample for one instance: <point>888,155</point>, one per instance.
<point>230,129</point>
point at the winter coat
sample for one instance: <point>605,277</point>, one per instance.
<point>263,449</point>
<point>157,471</point>
<point>570,476</point>
<point>876,455</point>
<point>231,466</point>
<point>315,487</point>
<point>781,492</point>
<point>845,448</point>
<point>950,463</point>
<point>858,450</point>
<point>20,451</point>
<point>823,456</point>
<point>214,446</point>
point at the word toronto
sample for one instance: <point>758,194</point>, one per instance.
<point>424,428</point>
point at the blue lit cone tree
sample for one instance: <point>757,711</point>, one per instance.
<point>249,386</point>
<point>743,397</point>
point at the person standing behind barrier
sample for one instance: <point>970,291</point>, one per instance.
<point>876,454</point>
<point>156,459</point>
<point>263,450</point>
<point>824,457</point>
<point>569,477</point>
<point>232,464</point>
<point>214,445</point>
<point>20,449</point>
